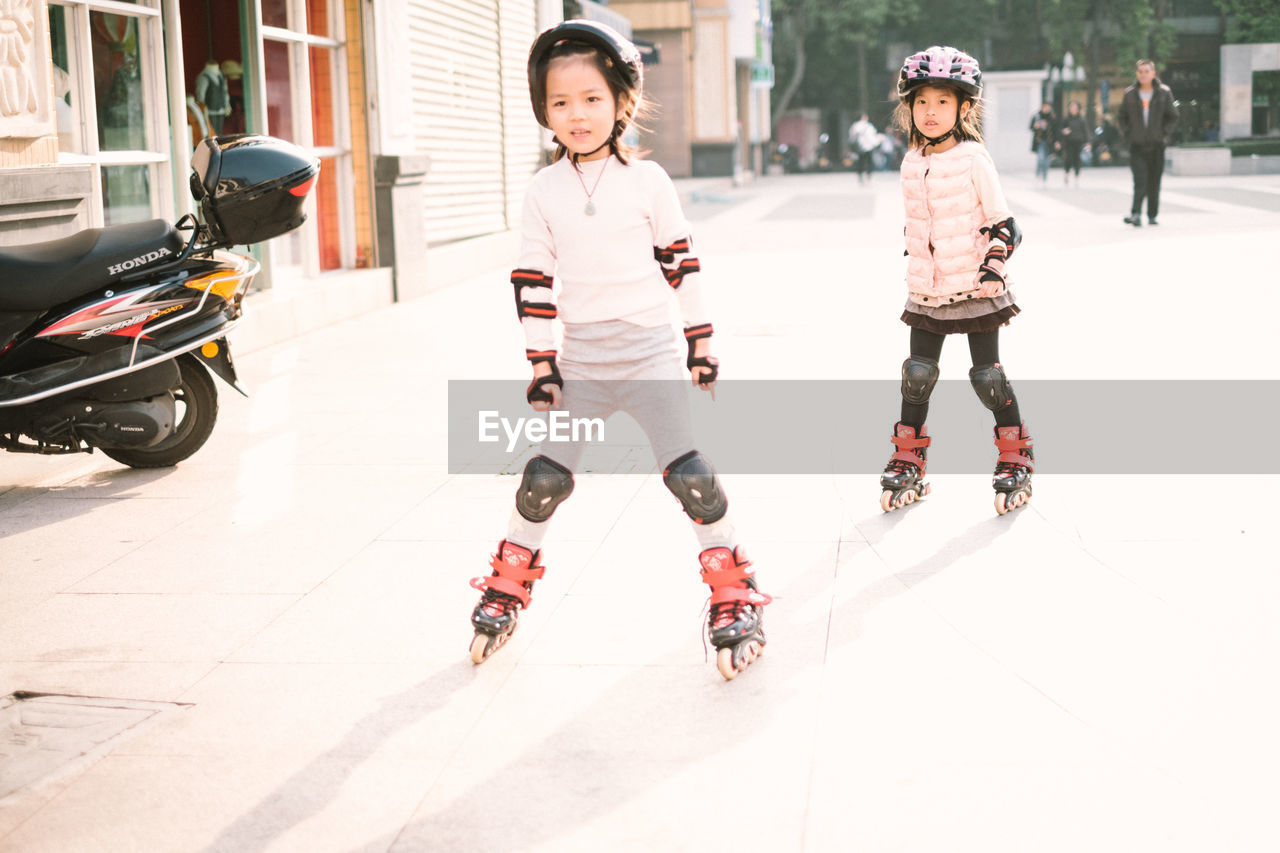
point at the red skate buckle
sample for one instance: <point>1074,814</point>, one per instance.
<point>907,456</point>
<point>908,443</point>
<point>721,567</point>
<point>1005,444</point>
<point>503,585</point>
<point>726,594</point>
<point>516,563</point>
<point>1017,459</point>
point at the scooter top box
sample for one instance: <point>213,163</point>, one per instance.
<point>251,187</point>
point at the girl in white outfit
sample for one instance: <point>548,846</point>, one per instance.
<point>609,227</point>
<point>959,235</point>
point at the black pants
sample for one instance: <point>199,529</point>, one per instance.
<point>984,348</point>
<point>1071,158</point>
<point>1147,163</point>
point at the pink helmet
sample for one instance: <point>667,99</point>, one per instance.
<point>944,65</point>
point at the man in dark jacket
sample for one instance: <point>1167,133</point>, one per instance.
<point>1148,115</point>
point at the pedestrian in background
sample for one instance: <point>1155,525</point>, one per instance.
<point>609,226</point>
<point>1148,115</point>
<point>863,141</point>
<point>959,234</point>
<point>1072,136</point>
<point>1042,129</point>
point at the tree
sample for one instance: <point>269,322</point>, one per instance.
<point>1253,21</point>
<point>821,49</point>
<point>1137,27</point>
<point>790,33</point>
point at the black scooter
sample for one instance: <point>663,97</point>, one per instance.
<point>108,337</point>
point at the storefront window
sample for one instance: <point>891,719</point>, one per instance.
<point>277,59</point>
<point>108,74</point>
<point>117,82</point>
<point>322,93</point>
<point>306,103</point>
<point>327,216</point>
<point>64,105</point>
<point>318,17</point>
<point>275,13</point>
<point>126,194</point>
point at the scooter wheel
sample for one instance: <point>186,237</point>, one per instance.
<point>196,412</point>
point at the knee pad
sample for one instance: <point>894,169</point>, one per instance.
<point>694,483</point>
<point>918,378</point>
<point>544,486</point>
<point>992,386</point>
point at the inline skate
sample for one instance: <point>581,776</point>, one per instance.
<point>1012,477</point>
<point>903,478</point>
<point>506,592</point>
<point>734,623</point>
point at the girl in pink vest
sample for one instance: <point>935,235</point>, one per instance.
<point>959,235</point>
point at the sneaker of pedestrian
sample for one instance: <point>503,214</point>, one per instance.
<point>1135,220</point>
<point>1151,220</point>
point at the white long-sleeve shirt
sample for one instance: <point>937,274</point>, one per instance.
<point>622,263</point>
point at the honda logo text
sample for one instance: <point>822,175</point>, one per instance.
<point>140,261</point>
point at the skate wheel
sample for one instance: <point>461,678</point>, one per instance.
<point>480,647</point>
<point>886,500</point>
<point>909,498</point>
<point>484,645</point>
<point>1002,505</point>
<point>733,660</point>
<point>724,663</point>
<point>926,490</point>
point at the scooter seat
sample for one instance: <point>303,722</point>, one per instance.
<point>42,275</point>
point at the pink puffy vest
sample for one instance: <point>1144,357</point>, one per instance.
<point>944,214</point>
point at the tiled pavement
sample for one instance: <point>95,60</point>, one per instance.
<point>1092,672</point>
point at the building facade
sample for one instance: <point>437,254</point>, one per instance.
<point>710,81</point>
<point>417,109</point>
<point>118,94</point>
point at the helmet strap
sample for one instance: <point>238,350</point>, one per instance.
<point>576,157</point>
<point>936,140</point>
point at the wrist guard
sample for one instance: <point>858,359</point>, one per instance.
<point>1005,237</point>
<point>992,266</point>
<point>1005,232</point>
<point>692,335</point>
<point>536,391</point>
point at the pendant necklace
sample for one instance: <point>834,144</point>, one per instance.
<point>590,209</point>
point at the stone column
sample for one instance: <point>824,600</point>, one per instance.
<point>402,238</point>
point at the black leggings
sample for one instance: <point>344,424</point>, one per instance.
<point>984,348</point>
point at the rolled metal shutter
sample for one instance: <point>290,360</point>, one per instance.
<point>458,117</point>
<point>471,113</point>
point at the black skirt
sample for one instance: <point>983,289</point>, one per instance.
<point>961,325</point>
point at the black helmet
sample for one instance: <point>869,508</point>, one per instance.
<point>618,49</point>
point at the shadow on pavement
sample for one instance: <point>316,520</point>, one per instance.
<point>27,508</point>
<point>312,788</point>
